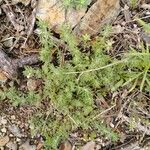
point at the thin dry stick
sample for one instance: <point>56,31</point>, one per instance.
<point>31,24</point>
<point>136,19</point>
<point>103,112</point>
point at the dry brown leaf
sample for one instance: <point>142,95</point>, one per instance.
<point>40,146</point>
<point>4,140</point>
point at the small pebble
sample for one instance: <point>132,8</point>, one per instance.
<point>11,145</point>
<point>13,117</point>
<point>10,135</point>
<point>15,130</point>
<point>4,140</point>
<point>4,130</point>
<point>112,125</point>
<point>18,140</point>
<point>89,146</point>
<point>8,42</point>
<point>32,84</point>
<point>27,146</point>
<point>3,121</point>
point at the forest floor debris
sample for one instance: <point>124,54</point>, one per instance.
<point>125,111</point>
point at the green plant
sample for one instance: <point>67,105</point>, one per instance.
<point>17,97</point>
<point>133,3</point>
<point>72,83</point>
<point>145,25</point>
<point>139,65</point>
<point>72,95</point>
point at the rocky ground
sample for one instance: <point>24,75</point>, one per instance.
<point>15,129</point>
<point>18,36</point>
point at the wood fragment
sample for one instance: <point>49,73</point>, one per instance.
<point>28,60</point>
<point>31,23</point>
<point>10,66</point>
<point>7,66</point>
<point>127,14</point>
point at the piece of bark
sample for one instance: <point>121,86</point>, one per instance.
<point>127,14</point>
<point>28,60</point>
<point>100,13</point>
<point>31,22</point>
<point>7,66</point>
<point>10,66</point>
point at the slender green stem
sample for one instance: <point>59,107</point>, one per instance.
<point>100,68</point>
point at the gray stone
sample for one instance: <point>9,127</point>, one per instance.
<point>11,145</point>
<point>27,146</point>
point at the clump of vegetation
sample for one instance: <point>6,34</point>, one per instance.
<point>73,78</point>
<point>72,93</point>
<point>134,3</point>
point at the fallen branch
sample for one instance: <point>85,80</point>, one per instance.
<point>7,66</point>
<point>10,66</point>
<point>28,60</point>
